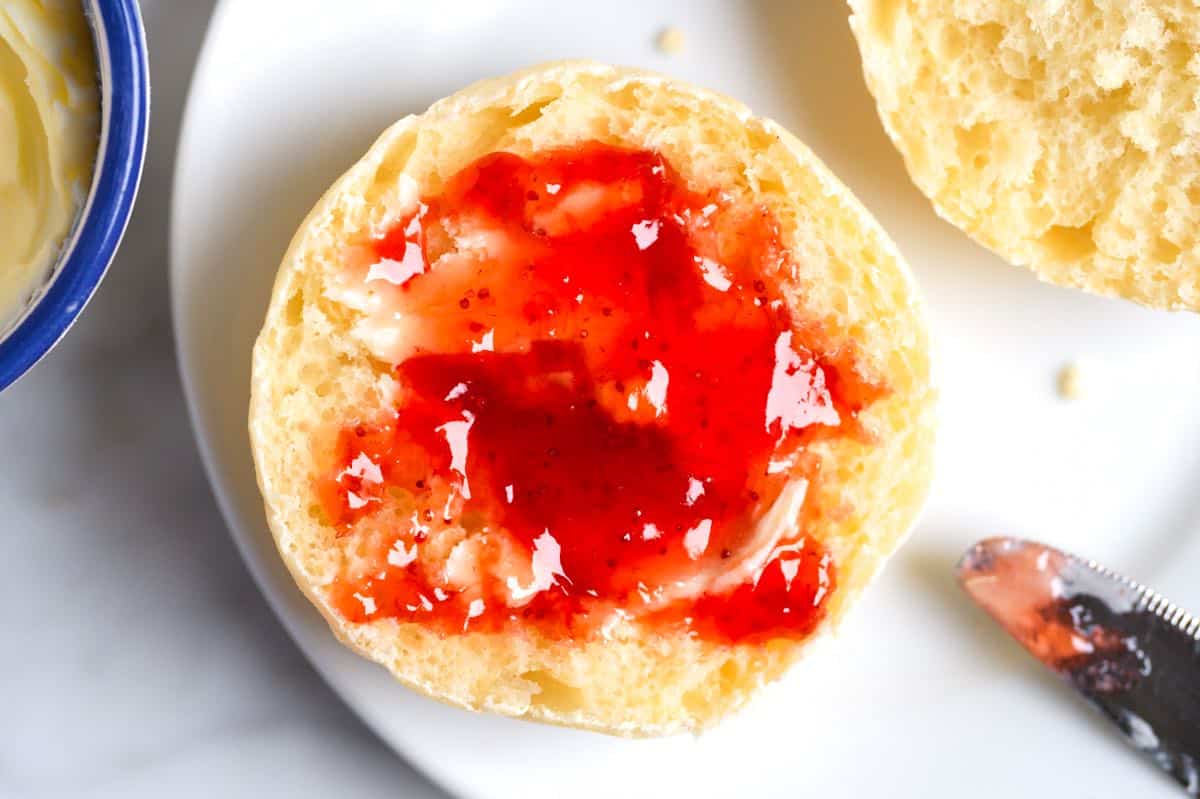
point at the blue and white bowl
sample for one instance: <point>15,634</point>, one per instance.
<point>124,76</point>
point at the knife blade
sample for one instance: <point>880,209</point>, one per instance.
<point>1128,651</point>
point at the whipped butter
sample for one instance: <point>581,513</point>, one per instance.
<point>49,134</point>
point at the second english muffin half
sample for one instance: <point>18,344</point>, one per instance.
<point>1065,136</point>
<point>588,397</point>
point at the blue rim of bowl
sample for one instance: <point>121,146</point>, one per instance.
<point>118,33</point>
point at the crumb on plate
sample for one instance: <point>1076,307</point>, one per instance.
<point>670,41</point>
<point>1071,381</point>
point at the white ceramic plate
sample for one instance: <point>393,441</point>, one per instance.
<point>919,696</point>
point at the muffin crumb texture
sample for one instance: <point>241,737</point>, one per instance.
<point>1063,135</point>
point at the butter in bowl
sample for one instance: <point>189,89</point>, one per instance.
<point>74,109</point>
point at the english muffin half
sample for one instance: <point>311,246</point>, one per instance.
<point>1065,136</point>
<point>588,397</point>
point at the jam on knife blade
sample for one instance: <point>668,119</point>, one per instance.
<point>1133,655</point>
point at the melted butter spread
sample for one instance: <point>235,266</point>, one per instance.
<point>49,131</point>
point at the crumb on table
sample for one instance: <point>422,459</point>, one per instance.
<point>670,41</point>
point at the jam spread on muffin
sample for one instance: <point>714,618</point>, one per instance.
<point>603,411</point>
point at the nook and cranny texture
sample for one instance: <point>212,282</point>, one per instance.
<point>1063,135</point>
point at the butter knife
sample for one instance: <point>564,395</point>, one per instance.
<point>1129,652</point>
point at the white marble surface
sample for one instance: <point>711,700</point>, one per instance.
<point>137,658</point>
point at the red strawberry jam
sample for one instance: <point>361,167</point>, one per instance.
<point>603,396</point>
